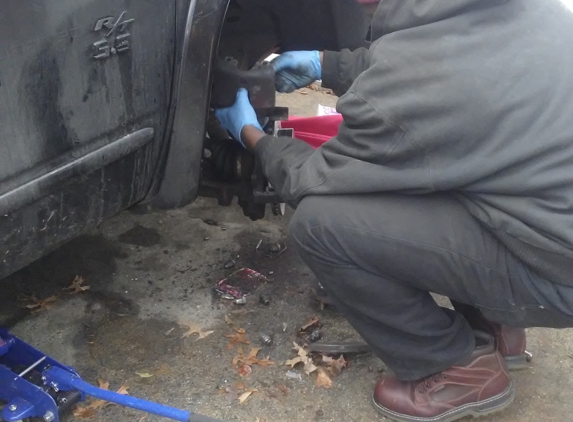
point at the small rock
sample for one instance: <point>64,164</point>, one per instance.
<point>275,248</point>
<point>230,264</point>
<point>210,222</point>
<point>315,336</point>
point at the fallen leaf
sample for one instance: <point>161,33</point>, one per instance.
<point>292,362</point>
<point>77,286</point>
<point>123,390</point>
<point>335,366</point>
<point>251,359</point>
<point>144,374</point>
<point>323,380</point>
<point>245,370</point>
<point>228,320</point>
<point>283,389</point>
<point>238,337</point>
<point>142,418</point>
<point>40,305</point>
<point>169,331</point>
<point>243,397</point>
<point>84,412</point>
<point>303,357</point>
<point>284,326</point>
<point>89,411</point>
<point>193,328</point>
<point>310,323</point>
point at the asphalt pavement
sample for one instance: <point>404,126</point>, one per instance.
<point>144,315</point>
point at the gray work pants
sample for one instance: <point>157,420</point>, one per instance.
<point>379,256</point>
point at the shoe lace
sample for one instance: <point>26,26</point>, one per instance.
<point>426,383</point>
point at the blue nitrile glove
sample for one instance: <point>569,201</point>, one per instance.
<point>296,69</point>
<point>238,115</point>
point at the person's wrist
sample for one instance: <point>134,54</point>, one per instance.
<point>251,135</point>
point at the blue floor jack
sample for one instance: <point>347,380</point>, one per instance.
<point>36,387</point>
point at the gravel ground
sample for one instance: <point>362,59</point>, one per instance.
<point>150,273</point>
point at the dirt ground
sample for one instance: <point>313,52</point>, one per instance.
<point>150,273</point>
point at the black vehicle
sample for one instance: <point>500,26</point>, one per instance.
<point>105,104</point>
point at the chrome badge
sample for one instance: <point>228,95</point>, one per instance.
<point>116,36</point>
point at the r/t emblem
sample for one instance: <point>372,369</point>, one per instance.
<point>116,38</point>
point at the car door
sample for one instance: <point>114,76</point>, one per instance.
<point>84,96</point>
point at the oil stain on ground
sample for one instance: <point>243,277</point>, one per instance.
<point>140,236</point>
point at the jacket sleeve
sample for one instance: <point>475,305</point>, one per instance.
<point>340,69</point>
<point>370,154</point>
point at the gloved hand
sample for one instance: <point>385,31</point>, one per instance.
<point>296,69</point>
<point>239,115</point>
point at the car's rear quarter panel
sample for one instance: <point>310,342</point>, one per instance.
<point>80,138</point>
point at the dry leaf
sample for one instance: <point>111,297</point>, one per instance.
<point>169,331</point>
<point>142,418</point>
<point>123,390</point>
<point>243,397</point>
<point>238,337</point>
<point>335,366</point>
<point>144,374</point>
<point>284,326</point>
<point>228,320</point>
<point>84,412</point>
<point>89,411</point>
<point>40,305</point>
<point>303,357</point>
<point>193,328</point>
<point>77,286</point>
<point>310,323</point>
<point>251,359</point>
<point>323,380</point>
<point>283,389</point>
<point>292,362</point>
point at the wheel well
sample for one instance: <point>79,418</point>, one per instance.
<point>255,28</point>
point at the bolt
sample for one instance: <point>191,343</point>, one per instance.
<point>49,416</point>
<point>13,408</point>
<point>266,339</point>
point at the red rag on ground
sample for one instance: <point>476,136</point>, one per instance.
<point>315,131</point>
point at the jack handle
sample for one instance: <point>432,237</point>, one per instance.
<point>63,380</point>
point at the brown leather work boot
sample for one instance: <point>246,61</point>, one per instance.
<point>510,341</point>
<point>478,387</point>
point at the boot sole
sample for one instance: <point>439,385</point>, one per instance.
<point>482,408</point>
<point>518,362</point>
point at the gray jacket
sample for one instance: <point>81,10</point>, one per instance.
<point>473,97</point>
